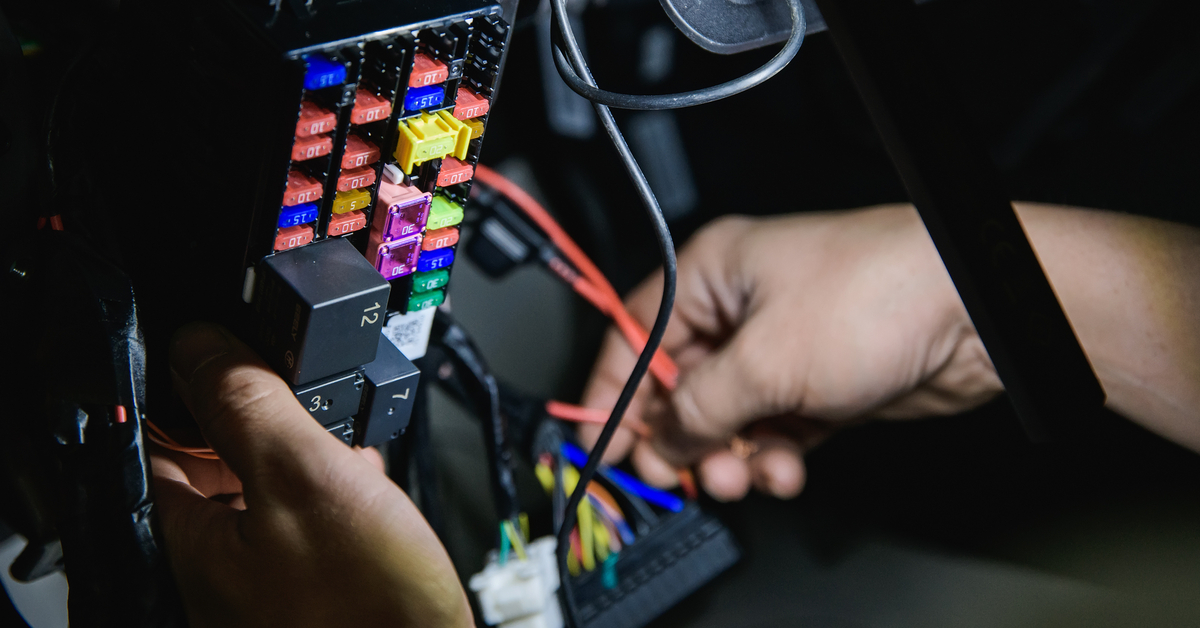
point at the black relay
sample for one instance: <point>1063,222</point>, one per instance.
<point>391,388</point>
<point>320,309</point>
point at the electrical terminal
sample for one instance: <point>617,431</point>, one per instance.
<point>519,593</point>
<point>292,237</point>
<point>301,189</point>
<point>427,71</point>
<point>359,152</point>
<point>431,136</point>
<point>440,239</point>
<point>425,300</point>
<point>369,107</point>
<point>341,224</point>
<point>307,148</point>
<point>453,172</point>
<point>432,280</point>
<point>356,178</point>
<point>443,213</point>
<point>469,104</point>
<point>433,260</point>
<point>354,200</point>
<point>314,120</point>
<point>401,212</point>
<point>323,72</point>
<point>297,215</point>
<point>394,258</point>
<point>427,97</point>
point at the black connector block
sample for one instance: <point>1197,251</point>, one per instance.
<point>387,402</point>
<point>680,555</point>
<point>343,430</point>
<point>320,310</point>
<point>332,399</point>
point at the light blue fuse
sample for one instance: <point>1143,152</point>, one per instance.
<point>433,260</point>
<point>298,215</point>
<point>322,72</point>
<point>419,98</point>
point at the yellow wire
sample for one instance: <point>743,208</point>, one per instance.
<point>517,545</point>
<point>586,536</point>
<point>601,534</point>
<point>545,477</point>
<point>524,520</point>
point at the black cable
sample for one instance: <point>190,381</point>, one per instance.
<point>590,91</point>
<point>667,250</point>
<point>483,391</point>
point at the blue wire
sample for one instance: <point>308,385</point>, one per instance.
<point>626,482</point>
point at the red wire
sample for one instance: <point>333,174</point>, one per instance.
<point>119,414</point>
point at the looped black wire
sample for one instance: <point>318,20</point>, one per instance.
<point>590,91</point>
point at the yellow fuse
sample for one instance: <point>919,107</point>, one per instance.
<point>462,142</point>
<point>476,126</point>
<point>350,201</point>
<point>424,137</point>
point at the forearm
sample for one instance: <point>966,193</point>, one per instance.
<point>1131,288</point>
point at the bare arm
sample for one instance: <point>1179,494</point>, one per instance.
<point>1131,287</point>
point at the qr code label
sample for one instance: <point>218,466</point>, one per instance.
<point>410,332</point>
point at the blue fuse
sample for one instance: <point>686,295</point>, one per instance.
<point>433,260</point>
<point>322,72</point>
<point>419,98</point>
<point>298,215</point>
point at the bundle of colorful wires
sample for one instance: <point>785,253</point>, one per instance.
<point>602,530</point>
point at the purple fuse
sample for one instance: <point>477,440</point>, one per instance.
<point>401,211</point>
<point>394,258</point>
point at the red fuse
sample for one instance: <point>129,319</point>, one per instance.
<point>469,105</point>
<point>359,152</point>
<point>311,147</point>
<point>301,189</point>
<point>427,71</point>
<point>440,239</point>
<point>345,223</point>
<point>314,120</point>
<point>454,172</point>
<point>356,178</point>
<point>292,237</point>
<point>369,108</point>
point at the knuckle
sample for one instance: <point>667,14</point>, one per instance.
<point>233,394</point>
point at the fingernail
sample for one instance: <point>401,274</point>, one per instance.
<point>195,345</point>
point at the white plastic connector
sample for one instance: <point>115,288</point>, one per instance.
<point>393,174</point>
<point>521,593</point>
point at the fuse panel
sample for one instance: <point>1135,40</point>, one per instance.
<point>387,135</point>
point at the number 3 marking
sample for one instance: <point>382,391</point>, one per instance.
<point>316,404</point>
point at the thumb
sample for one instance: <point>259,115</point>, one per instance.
<point>248,414</point>
<point>723,392</point>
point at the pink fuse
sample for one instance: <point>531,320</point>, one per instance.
<point>314,120</point>
<point>359,152</point>
<point>401,211</point>
<point>395,258</point>
<point>312,147</point>
<point>356,178</point>
<point>301,189</point>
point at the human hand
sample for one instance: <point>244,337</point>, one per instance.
<point>784,329</point>
<point>290,527</point>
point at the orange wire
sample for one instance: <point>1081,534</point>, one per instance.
<point>56,222</point>
<point>160,438</point>
<point>662,366</point>
<point>580,414</point>
<point>119,414</point>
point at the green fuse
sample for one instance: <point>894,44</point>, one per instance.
<point>425,300</point>
<point>432,280</point>
<point>443,213</point>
